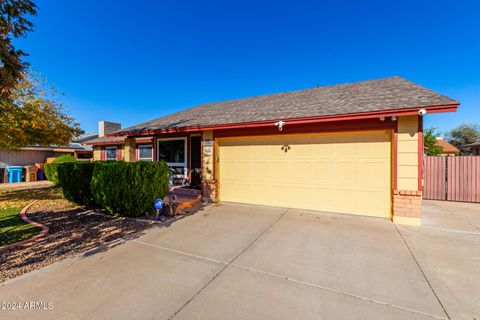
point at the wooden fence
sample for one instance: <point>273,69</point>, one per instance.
<point>452,178</point>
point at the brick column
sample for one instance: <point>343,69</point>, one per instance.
<point>407,207</point>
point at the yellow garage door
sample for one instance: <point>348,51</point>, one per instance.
<point>337,172</point>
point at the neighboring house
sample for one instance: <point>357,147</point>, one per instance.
<point>36,154</point>
<point>28,156</point>
<point>352,148</point>
<point>448,149</point>
<point>474,148</point>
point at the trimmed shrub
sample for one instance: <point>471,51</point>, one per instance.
<point>51,168</point>
<point>75,179</point>
<point>129,188</point>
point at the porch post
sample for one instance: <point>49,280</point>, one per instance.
<point>208,159</point>
<point>129,150</point>
<point>407,196</point>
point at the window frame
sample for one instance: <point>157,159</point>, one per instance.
<point>106,153</point>
<point>139,146</point>
<point>185,148</point>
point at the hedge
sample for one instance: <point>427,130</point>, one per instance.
<point>129,188</point>
<point>75,179</point>
<point>51,169</point>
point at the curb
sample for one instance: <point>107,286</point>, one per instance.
<point>23,215</point>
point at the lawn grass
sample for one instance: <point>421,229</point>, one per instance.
<point>13,228</point>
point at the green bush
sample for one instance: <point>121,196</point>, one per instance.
<point>64,158</point>
<point>129,188</point>
<point>51,168</point>
<point>75,179</point>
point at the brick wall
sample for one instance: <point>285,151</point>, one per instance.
<point>407,204</point>
<point>24,158</point>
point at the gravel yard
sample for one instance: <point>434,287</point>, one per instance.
<point>72,230</point>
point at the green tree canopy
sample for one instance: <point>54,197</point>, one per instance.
<point>14,23</point>
<point>464,134</point>
<point>33,115</point>
<point>430,141</point>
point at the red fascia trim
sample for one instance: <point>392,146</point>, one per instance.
<point>349,116</point>
<point>345,126</point>
<point>420,153</point>
<point>107,143</point>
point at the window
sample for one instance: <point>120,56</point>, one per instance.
<point>174,152</point>
<point>110,153</point>
<point>145,152</point>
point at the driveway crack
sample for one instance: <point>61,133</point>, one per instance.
<point>229,263</point>
<point>421,270</point>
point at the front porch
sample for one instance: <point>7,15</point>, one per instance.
<point>182,153</point>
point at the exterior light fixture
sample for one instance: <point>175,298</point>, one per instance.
<point>280,125</point>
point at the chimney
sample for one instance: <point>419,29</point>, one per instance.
<point>105,127</point>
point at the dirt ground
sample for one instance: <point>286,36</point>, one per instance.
<point>72,230</point>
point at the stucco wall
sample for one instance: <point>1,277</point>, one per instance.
<point>97,153</point>
<point>407,168</point>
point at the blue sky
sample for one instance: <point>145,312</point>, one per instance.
<point>132,61</point>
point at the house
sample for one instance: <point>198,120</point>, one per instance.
<point>33,155</point>
<point>474,148</point>
<point>352,148</point>
<point>448,148</point>
<point>37,154</point>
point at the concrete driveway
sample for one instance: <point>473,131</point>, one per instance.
<point>251,262</point>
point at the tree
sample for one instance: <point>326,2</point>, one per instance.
<point>430,141</point>
<point>13,24</point>
<point>33,115</point>
<point>464,134</point>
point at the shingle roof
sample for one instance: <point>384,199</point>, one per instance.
<point>105,139</point>
<point>475,144</point>
<point>352,98</point>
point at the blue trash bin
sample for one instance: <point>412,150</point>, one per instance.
<point>14,174</point>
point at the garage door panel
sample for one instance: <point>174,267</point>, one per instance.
<point>257,191</point>
<point>349,173</point>
<point>262,169</point>
<point>369,200</point>
<point>374,174</point>
<point>299,172</point>
<point>301,196</point>
<point>323,198</point>
<point>323,172</point>
<point>346,174</point>
<point>232,191</point>
<point>322,150</point>
<point>345,201</point>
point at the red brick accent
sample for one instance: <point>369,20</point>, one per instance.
<point>209,190</point>
<point>407,203</point>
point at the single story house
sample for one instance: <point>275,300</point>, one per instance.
<point>27,156</point>
<point>448,149</point>
<point>352,148</point>
<point>474,148</point>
